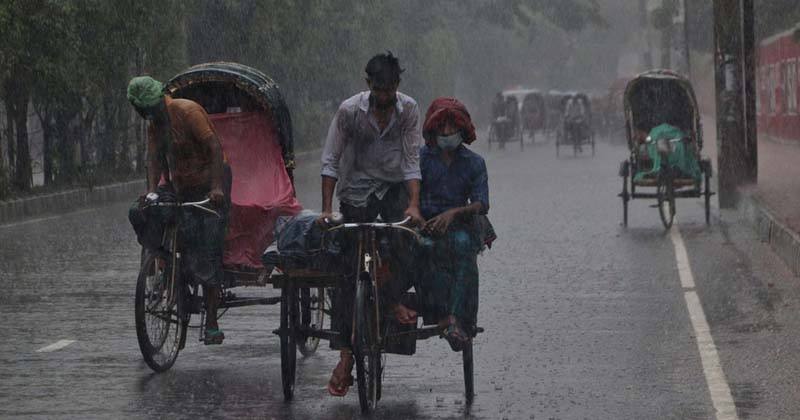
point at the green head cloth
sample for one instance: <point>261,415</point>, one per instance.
<point>144,91</point>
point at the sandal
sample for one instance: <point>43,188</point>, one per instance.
<point>213,337</point>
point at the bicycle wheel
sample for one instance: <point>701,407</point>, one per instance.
<point>160,322</point>
<point>312,317</point>
<point>366,347</point>
<point>289,317</point>
<point>707,191</point>
<point>469,373</point>
<point>666,199</point>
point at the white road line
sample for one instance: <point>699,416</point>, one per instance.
<point>44,219</point>
<point>718,387</point>
<point>58,345</point>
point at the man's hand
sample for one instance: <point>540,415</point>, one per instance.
<point>217,197</point>
<point>414,214</point>
<point>439,224</point>
<point>323,219</point>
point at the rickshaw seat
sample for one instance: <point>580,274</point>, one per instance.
<point>261,191</point>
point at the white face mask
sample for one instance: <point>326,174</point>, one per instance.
<point>449,143</point>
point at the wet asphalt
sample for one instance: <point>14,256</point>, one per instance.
<point>584,319</point>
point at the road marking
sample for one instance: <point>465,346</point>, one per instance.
<point>44,219</point>
<point>718,387</point>
<point>58,345</point>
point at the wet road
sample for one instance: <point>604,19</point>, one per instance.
<point>583,319</point>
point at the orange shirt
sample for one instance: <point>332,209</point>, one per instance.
<point>191,133</point>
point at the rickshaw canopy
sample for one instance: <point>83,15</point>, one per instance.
<point>258,87</point>
<point>661,96</point>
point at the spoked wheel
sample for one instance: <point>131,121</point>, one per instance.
<point>469,373</point>
<point>160,321</point>
<point>558,145</point>
<point>593,145</point>
<point>366,348</point>
<point>707,190</point>
<point>576,145</point>
<point>666,199</point>
<point>288,334</point>
<point>624,172</point>
<point>312,317</point>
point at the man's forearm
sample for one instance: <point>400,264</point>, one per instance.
<point>217,166</point>
<point>328,186</point>
<point>412,185</point>
<point>153,173</point>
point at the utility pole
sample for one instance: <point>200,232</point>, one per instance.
<point>734,59</point>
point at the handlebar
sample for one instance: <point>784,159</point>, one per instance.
<point>402,225</point>
<point>196,204</point>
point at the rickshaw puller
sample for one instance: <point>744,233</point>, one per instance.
<point>454,190</point>
<point>183,147</point>
<point>371,158</point>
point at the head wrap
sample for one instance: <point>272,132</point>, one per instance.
<point>442,111</point>
<point>144,91</point>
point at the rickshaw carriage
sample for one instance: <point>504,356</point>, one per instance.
<point>505,126</point>
<point>661,99</point>
<point>576,127</point>
<point>532,111</point>
<point>255,129</point>
<point>554,111</point>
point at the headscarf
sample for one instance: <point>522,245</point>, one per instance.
<point>144,91</point>
<point>440,112</point>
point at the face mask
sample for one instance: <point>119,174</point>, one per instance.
<point>449,143</point>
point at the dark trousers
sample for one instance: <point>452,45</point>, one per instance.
<point>201,234</point>
<point>396,250</point>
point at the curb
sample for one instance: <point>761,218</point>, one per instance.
<point>70,200</point>
<point>769,229</point>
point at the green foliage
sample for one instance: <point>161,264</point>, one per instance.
<point>73,59</point>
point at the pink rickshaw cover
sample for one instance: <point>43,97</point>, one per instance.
<point>261,190</point>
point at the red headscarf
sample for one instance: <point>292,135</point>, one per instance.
<point>440,112</point>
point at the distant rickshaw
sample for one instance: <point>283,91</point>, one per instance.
<point>665,138</point>
<point>576,129</point>
<point>533,113</point>
<point>554,112</point>
<point>505,125</point>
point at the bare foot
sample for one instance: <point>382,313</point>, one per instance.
<point>403,314</point>
<point>342,377</point>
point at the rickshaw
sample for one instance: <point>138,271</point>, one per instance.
<point>651,99</point>
<point>576,130</point>
<point>505,125</point>
<point>255,129</point>
<point>554,112</point>
<point>532,112</point>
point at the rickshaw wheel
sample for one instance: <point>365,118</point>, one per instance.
<point>366,348</point>
<point>161,329</point>
<point>707,190</point>
<point>312,317</point>
<point>666,200</point>
<point>469,373</point>
<point>288,334</point>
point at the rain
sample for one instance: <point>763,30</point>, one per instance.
<point>400,209</point>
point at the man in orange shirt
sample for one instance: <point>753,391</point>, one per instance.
<point>183,149</point>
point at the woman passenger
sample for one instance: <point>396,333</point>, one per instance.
<point>454,193</point>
